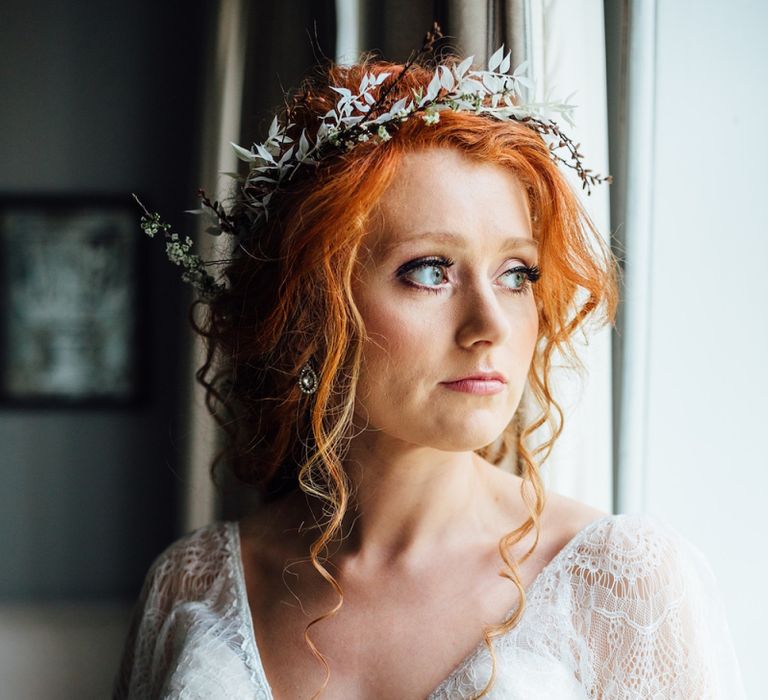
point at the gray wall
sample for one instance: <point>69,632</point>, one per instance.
<point>100,98</point>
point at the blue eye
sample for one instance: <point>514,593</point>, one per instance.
<point>519,277</point>
<point>432,271</point>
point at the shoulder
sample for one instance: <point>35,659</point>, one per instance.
<point>630,557</point>
<point>566,517</point>
<point>637,536</point>
<point>645,598</point>
<point>185,636</point>
<point>188,567</point>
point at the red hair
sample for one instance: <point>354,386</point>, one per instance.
<point>289,299</point>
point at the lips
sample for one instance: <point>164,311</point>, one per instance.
<point>480,376</point>
<point>479,385</point>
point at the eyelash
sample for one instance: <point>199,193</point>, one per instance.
<point>532,273</point>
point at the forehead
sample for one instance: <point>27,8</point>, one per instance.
<point>443,194</point>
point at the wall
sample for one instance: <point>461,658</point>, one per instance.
<point>97,98</point>
<point>705,469</point>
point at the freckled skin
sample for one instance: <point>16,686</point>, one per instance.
<point>420,338</point>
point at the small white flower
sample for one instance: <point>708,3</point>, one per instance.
<point>383,133</point>
<point>431,118</point>
<point>363,137</point>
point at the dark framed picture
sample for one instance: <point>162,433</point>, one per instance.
<point>70,296</point>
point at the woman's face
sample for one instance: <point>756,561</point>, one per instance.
<point>442,308</point>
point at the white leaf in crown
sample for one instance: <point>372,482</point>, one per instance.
<point>303,143</point>
<point>352,120</point>
<point>400,104</point>
<point>504,67</point>
<point>243,154</point>
<point>346,93</point>
<point>491,82</point>
<point>463,67</point>
<point>322,130</point>
<point>471,86</point>
<point>264,153</point>
<point>285,157</point>
<point>446,77</point>
<point>383,118</point>
<point>495,59</point>
<point>432,90</point>
<point>273,127</point>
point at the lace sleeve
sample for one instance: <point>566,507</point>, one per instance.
<point>149,612</point>
<point>649,607</point>
<point>184,628</point>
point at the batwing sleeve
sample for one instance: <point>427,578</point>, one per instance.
<point>187,637</point>
<point>147,650</point>
<point>648,605</point>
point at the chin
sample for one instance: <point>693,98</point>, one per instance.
<point>466,440</point>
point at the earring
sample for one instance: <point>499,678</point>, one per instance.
<point>308,381</point>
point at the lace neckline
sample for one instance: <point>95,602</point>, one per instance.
<point>251,647</point>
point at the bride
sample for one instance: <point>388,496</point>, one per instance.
<point>389,307</point>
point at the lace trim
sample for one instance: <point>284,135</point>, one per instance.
<point>250,648</point>
<point>549,570</point>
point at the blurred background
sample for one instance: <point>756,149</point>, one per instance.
<point>105,442</point>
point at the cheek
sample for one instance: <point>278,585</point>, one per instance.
<point>528,334</point>
<point>532,324</point>
<point>402,339</point>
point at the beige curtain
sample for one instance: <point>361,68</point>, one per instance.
<point>221,124</point>
<point>567,44</point>
<point>255,50</point>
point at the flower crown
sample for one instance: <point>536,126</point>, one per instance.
<point>362,117</point>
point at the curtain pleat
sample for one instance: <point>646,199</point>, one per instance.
<point>221,122</point>
<point>567,48</point>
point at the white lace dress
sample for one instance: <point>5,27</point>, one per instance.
<point>627,609</point>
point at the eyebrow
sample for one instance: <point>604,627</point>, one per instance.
<point>510,243</point>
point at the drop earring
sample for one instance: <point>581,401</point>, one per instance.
<point>308,381</point>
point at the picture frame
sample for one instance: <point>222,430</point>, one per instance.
<point>72,287</point>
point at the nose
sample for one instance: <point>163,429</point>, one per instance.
<point>483,316</point>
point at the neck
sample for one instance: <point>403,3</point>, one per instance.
<point>407,500</point>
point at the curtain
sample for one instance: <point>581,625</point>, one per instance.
<point>567,44</point>
<point>221,122</point>
<point>247,71</point>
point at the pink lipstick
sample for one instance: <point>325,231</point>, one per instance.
<point>480,387</point>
